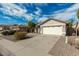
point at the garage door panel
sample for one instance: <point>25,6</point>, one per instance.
<point>52,30</point>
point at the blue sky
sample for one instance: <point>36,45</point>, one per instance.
<point>21,13</point>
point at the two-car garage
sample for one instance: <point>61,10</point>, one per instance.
<point>53,27</point>
<point>54,30</point>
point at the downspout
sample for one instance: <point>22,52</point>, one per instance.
<point>76,29</point>
<point>66,41</point>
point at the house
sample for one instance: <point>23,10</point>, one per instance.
<point>18,27</point>
<point>14,27</point>
<point>52,27</point>
<point>1,28</point>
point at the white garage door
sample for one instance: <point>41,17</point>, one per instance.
<point>53,30</point>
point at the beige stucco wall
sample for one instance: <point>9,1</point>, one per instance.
<point>52,23</point>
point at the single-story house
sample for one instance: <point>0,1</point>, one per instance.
<point>14,27</point>
<point>52,27</point>
<point>1,28</point>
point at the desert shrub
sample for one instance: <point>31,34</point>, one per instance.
<point>71,40</point>
<point>77,43</point>
<point>4,32</point>
<point>11,32</point>
<point>20,35</point>
<point>8,32</point>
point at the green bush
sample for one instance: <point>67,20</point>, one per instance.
<point>8,32</point>
<point>20,35</point>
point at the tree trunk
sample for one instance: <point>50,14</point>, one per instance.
<point>76,28</point>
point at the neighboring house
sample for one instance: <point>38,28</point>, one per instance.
<point>1,28</point>
<point>9,27</point>
<point>18,27</point>
<point>14,28</point>
<point>52,27</point>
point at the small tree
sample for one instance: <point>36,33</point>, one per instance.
<point>31,26</point>
<point>70,22</point>
<point>69,27</point>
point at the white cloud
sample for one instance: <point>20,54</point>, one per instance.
<point>7,17</point>
<point>74,7</point>
<point>38,12</point>
<point>59,11</point>
<point>15,10</point>
<point>7,20</point>
<point>28,16</point>
<point>42,19</point>
<point>68,13</point>
<point>64,16</point>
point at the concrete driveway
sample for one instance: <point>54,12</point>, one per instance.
<point>38,45</point>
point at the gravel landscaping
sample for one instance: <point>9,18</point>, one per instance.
<point>63,49</point>
<point>12,38</point>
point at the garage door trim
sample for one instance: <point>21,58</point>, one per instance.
<point>50,26</point>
